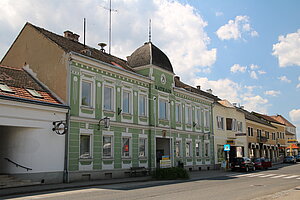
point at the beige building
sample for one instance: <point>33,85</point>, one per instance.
<point>229,128</point>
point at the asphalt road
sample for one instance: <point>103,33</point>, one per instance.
<point>230,185</point>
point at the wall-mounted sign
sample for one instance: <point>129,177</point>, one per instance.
<point>163,89</point>
<point>60,127</point>
<point>164,133</point>
<point>230,142</point>
<point>240,134</point>
<point>226,147</point>
<point>163,79</point>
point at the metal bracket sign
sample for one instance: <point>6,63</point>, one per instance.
<point>226,147</point>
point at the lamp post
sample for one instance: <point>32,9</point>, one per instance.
<point>106,121</point>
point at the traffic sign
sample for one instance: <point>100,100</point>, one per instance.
<point>226,147</point>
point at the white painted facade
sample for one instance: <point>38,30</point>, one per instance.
<point>26,137</point>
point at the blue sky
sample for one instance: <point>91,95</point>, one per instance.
<point>247,52</point>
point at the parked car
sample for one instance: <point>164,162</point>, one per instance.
<point>262,163</point>
<point>242,163</point>
<point>297,158</point>
<point>289,159</point>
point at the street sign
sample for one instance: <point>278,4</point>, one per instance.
<point>226,147</point>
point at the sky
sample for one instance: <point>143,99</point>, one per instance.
<point>247,52</point>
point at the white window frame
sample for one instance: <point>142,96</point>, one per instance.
<point>112,97</point>
<point>200,148</point>
<point>90,81</point>
<point>188,114</point>
<point>130,104</point>
<point>86,132</point>
<point>208,149</point>
<point>111,135</point>
<point>180,147</point>
<point>146,104</point>
<point>198,115</point>
<point>206,119</point>
<point>189,144</point>
<point>239,126</point>
<point>167,108</point>
<point>178,115</point>
<point>129,147</point>
<point>146,146</point>
<point>220,123</point>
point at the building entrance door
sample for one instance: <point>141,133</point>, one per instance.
<point>162,150</point>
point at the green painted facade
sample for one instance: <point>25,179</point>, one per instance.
<point>155,84</point>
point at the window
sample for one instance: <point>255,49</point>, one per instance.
<point>126,147</point>
<point>220,122</point>
<point>178,113</point>
<point>273,136</point>
<point>188,115</point>
<point>206,149</point>
<point>178,148</point>
<point>258,133</point>
<point>163,109</point>
<point>239,126</point>
<point>86,93</point>
<point>250,131</point>
<point>108,98</point>
<point>142,147</point>
<point>188,149</point>
<point>85,146</point>
<point>5,88</point>
<point>107,146</point>
<point>206,119</point>
<point>34,93</point>
<point>198,114</point>
<point>267,134</point>
<point>231,124</point>
<point>198,149</point>
<point>126,102</point>
<point>142,105</point>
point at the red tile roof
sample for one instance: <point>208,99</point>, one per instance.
<point>18,80</point>
<point>282,120</point>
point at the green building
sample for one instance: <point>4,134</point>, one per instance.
<point>153,115</point>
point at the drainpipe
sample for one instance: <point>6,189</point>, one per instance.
<point>66,160</point>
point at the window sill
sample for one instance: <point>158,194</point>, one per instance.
<point>109,111</point>
<point>87,107</point>
<point>127,114</point>
<point>143,117</point>
<point>86,159</point>
<point>126,158</point>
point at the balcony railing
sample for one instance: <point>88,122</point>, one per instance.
<point>262,139</point>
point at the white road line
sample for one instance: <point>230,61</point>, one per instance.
<point>279,176</point>
<point>241,175</point>
<point>254,175</point>
<point>268,175</point>
<point>292,176</point>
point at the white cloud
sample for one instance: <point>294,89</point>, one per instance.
<point>177,29</point>
<point>298,86</point>
<point>272,93</point>
<point>287,50</point>
<point>238,68</point>
<point>298,78</point>
<point>261,72</point>
<point>284,79</point>
<point>235,28</point>
<point>235,93</point>
<point>253,75</point>
<point>218,14</point>
<point>295,115</point>
<point>253,67</point>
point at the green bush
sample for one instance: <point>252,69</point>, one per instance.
<point>170,173</point>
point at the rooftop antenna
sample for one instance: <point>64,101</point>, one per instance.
<point>149,30</point>
<point>84,25</point>
<point>109,25</point>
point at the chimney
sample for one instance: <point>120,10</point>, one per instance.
<point>177,78</point>
<point>234,104</point>
<point>209,91</point>
<point>242,107</point>
<point>198,87</point>
<point>102,45</point>
<point>71,36</point>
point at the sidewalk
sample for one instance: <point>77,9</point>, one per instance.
<point>194,175</point>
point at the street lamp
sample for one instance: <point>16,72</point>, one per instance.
<point>106,121</point>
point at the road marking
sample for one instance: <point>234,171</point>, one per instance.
<point>254,175</point>
<point>268,175</point>
<point>291,176</point>
<point>279,176</point>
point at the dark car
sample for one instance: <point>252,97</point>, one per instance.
<point>289,159</point>
<point>262,163</point>
<point>242,163</point>
<point>297,158</point>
